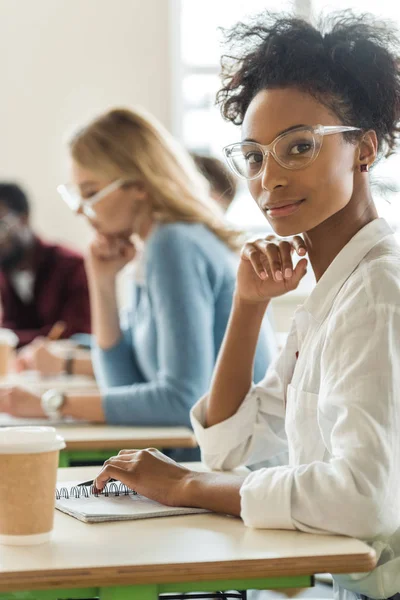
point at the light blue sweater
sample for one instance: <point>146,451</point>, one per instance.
<point>164,361</point>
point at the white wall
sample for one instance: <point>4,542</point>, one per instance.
<point>61,61</point>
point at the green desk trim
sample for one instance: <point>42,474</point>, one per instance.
<point>84,456</point>
<point>152,591</point>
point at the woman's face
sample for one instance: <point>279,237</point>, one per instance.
<point>314,193</point>
<point>119,213</point>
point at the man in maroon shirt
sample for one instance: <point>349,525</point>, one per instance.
<point>40,283</point>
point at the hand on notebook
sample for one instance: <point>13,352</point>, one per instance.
<point>20,402</point>
<point>148,472</point>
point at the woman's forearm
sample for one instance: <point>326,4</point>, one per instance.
<point>233,374</point>
<point>84,406</point>
<point>82,366</point>
<point>219,492</point>
<point>104,310</point>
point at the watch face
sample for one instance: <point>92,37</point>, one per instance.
<point>54,401</point>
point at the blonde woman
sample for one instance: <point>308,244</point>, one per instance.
<point>130,177</point>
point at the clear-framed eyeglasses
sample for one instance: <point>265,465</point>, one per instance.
<point>295,149</point>
<point>72,196</point>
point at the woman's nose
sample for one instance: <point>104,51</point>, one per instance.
<point>273,175</point>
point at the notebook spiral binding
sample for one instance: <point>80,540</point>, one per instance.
<point>111,489</point>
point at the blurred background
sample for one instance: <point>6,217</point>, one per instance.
<point>63,61</point>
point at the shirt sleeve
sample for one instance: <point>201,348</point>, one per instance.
<point>181,298</point>
<point>359,421</point>
<point>256,432</point>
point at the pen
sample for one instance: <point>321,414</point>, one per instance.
<point>56,331</point>
<point>91,482</point>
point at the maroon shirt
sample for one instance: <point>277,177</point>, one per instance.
<point>60,293</point>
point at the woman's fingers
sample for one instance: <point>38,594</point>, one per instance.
<point>113,470</point>
<point>285,249</point>
<point>135,450</point>
<point>124,457</point>
<point>251,253</point>
<point>122,466</point>
<point>299,272</point>
<point>299,245</point>
<point>274,257</point>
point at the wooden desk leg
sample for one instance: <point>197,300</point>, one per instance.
<point>137,592</point>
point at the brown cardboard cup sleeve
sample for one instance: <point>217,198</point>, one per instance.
<point>28,466</point>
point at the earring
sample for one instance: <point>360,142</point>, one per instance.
<point>364,168</point>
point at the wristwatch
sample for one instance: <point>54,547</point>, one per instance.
<point>52,402</point>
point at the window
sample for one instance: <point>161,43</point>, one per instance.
<point>202,128</point>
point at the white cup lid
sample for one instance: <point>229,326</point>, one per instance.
<point>8,337</point>
<point>29,440</point>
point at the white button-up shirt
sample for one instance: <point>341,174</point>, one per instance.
<point>332,398</point>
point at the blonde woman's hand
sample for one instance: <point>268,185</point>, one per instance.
<point>107,256</point>
<point>266,268</point>
<point>20,402</point>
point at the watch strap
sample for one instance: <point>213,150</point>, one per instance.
<point>69,363</point>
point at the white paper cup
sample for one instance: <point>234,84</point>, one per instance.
<point>28,467</point>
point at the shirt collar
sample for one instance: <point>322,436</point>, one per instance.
<point>321,298</point>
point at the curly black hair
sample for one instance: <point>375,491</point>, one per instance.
<point>348,63</point>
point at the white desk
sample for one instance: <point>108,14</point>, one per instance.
<point>140,559</point>
<point>85,441</point>
<point>38,384</point>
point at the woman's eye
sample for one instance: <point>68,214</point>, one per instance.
<point>300,148</point>
<point>88,195</point>
<point>254,158</point>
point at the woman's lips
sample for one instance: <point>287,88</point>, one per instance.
<point>284,211</point>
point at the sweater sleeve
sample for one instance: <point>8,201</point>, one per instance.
<point>117,366</point>
<point>181,298</point>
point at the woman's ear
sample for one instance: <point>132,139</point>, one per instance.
<point>367,151</point>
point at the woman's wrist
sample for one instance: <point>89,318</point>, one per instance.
<point>59,364</point>
<point>84,406</point>
<point>219,492</point>
<point>105,284</point>
<point>249,307</point>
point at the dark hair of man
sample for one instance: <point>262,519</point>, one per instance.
<point>221,180</point>
<point>14,198</point>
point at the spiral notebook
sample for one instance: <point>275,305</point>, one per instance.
<point>115,503</point>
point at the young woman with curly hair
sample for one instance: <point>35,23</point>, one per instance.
<point>318,107</point>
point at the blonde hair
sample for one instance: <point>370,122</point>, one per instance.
<point>131,145</point>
